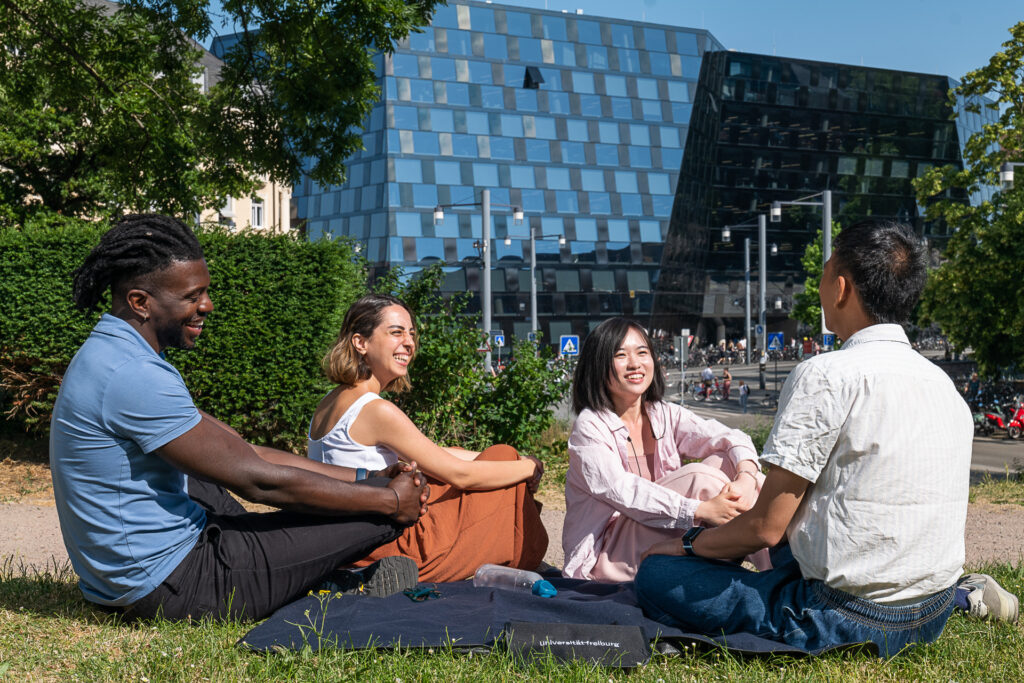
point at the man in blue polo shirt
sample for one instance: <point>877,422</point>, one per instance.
<point>140,473</point>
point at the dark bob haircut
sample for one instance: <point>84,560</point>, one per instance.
<point>590,381</point>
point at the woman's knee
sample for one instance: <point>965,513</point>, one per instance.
<point>498,451</point>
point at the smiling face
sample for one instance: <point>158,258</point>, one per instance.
<point>175,304</point>
<point>632,370</point>
<point>389,349</point>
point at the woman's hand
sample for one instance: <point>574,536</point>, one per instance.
<point>720,509</point>
<point>533,483</point>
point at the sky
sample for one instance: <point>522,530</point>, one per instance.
<point>944,37</point>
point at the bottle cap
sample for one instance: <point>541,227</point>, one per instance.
<point>544,589</point>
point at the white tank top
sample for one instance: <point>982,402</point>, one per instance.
<point>337,447</point>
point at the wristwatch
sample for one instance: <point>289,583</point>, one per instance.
<point>688,538</point>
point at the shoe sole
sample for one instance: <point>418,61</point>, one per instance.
<point>387,576</point>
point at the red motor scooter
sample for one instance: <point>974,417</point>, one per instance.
<point>1015,423</point>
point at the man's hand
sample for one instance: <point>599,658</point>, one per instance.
<point>534,482</point>
<point>720,509</point>
<point>670,547</point>
<point>413,493</point>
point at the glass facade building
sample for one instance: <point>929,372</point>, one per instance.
<point>589,143</point>
<point>768,128</point>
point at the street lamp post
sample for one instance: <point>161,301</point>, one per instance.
<point>485,285</point>
<point>826,227</point>
<point>534,326</point>
<point>762,231</point>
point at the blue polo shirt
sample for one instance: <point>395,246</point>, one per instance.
<point>124,512</point>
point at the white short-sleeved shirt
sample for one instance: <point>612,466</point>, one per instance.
<point>885,440</point>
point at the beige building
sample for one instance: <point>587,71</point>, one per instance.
<point>268,209</point>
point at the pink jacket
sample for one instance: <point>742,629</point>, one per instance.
<point>599,486</point>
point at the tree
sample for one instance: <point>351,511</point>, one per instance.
<point>104,113</point>
<point>807,308</point>
<point>977,294</point>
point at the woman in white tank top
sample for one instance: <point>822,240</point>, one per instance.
<point>481,507</point>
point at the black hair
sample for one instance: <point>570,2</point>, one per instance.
<point>887,264</point>
<point>594,366</point>
<point>138,245</point>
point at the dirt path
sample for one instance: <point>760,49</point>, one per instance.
<point>30,534</point>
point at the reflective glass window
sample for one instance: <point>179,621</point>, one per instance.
<point>600,202</point>
<point>477,123</point>
<point>638,280</point>
<point>485,175</point>
<point>650,231</point>
<point>552,225</point>
<point>577,130</point>
<point>502,148</point>
<point>521,176</point>
<point>615,85</point>
<point>661,63</point>
<point>680,112</point>
<point>544,127</point>
<point>618,230</point>
<point>406,117</point>
<point>662,205</point>
<point>691,67</point>
<point>481,19</point>
<point>405,65</point>
<point>586,229</point>
<point>632,205</point>
<point>592,180</point>
<point>608,131</point>
<point>538,150</point>
<point>625,181</point>
<point>533,201</point>
<point>567,280</point>
<point>654,39</point>
<point>513,252</point>
<point>518,23</point>
<point>426,143</point>
<point>583,252</point>
<point>495,46</point>
<point>429,248</point>
<point>441,121</point>
<point>597,57</point>
<point>530,51</point>
<point>669,136</point>
<point>603,281</point>
<point>424,196</point>
<point>639,134</point>
<point>607,155</point>
<point>464,249</point>
<point>421,91</point>
<point>422,42</point>
<point>394,196</point>
<point>671,159</point>
<point>564,54</point>
<point>629,60</point>
<point>618,252</point>
<point>590,105</point>
<point>446,172</point>
<point>572,153</point>
<point>391,87</point>
<point>491,97</point>
<point>442,69</point>
<point>554,27</point>
<point>647,88</point>
<point>588,31</point>
<point>650,110</point>
<point>445,16</point>
<point>408,171</point>
<point>622,107</point>
<point>552,79</point>
<point>583,82</point>
<point>480,72</point>
<point>447,228</point>
<point>558,102</point>
<point>460,43</point>
<point>847,166</point>
<point>558,178</point>
<point>408,224</point>
<point>378,171</point>
<point>514,76</point>
<point>622,36</point>
<point>512,125</point>
<point>874,167</point>
<point>640,157</point>
<point>657,183</point>
<point>678,91</point>
<point>500,195</point>
<point>526,100</point>
<point>395,251</point>
<point>567,202</point>
<point>405,137</point>
<point>464,145</point>
<point>458,94</point>
<point>900,169</point>
<point>686,43</point>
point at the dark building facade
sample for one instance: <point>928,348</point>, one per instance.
<point>768,128</point>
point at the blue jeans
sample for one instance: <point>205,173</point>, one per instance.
<point>712,597</point>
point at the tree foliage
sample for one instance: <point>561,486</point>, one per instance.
<point>977,294</point>
<point>807,306</point>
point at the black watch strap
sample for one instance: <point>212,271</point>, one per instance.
<point>688,538</point>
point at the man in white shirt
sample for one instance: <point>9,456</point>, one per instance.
<point>870,457</point>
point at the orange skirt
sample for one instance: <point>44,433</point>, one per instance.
<point>465,529</point>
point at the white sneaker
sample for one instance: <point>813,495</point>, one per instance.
<point>986,599</point>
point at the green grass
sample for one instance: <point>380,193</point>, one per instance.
<point>47,632</point>
<point>1005,489</point>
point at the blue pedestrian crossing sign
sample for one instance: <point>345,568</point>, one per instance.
<point>569,345</point>
<point>775,341</point>
<point>499,339</point>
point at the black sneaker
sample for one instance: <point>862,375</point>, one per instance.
<point>386,576</point>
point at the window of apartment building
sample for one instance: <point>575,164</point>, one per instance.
<point>258,217</point>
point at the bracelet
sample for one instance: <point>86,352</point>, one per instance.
<point>398,502</point>
<point>360,473</point>
<point>746,472</point>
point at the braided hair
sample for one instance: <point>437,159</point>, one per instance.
<point>138,245</point>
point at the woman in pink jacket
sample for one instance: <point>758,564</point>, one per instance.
<point>627,487</point>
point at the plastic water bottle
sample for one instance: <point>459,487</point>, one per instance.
<point>509,578</point>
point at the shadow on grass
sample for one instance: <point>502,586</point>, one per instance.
<point>50,591</point>
<point>21,447</point>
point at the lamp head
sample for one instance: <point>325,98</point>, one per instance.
<point>1006,176</point>
<point>517,215</point>
<point>775,214</point>
<point>778,303</point>
<point>774,249</point>
<point>438,215</point>
<point>561,241</point>
<point>726,234</point>
<point>508,241</point>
